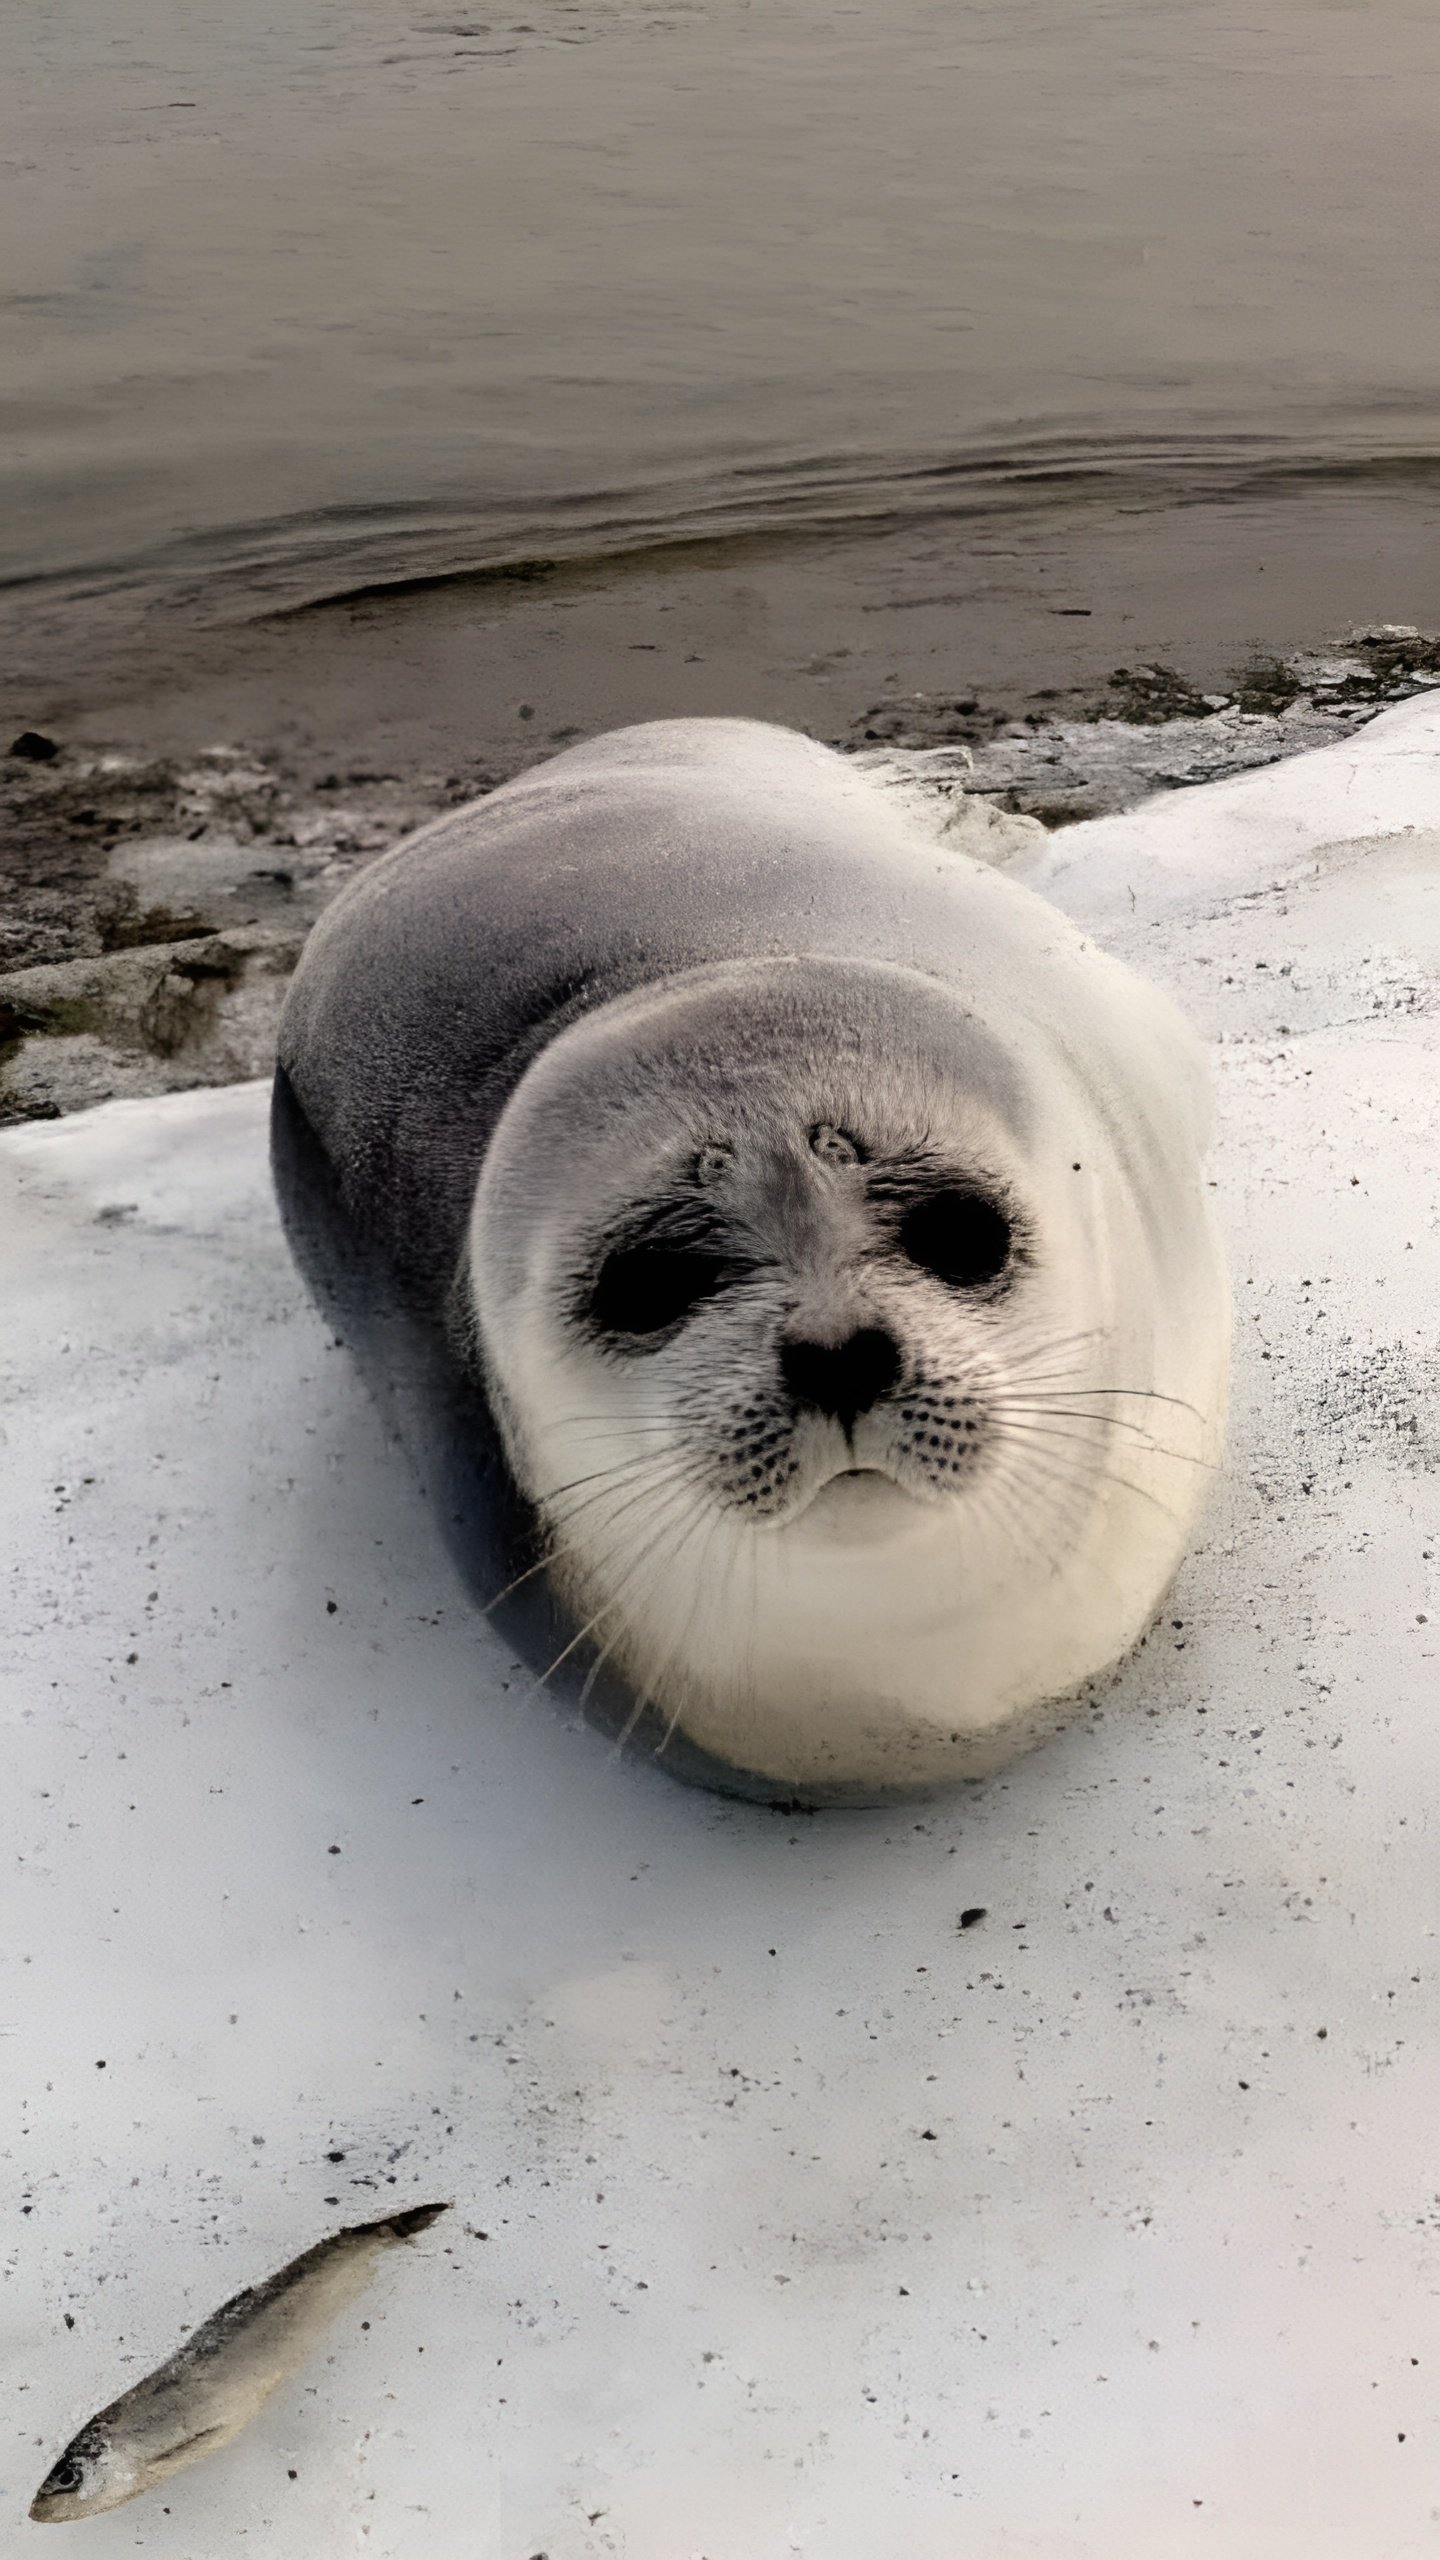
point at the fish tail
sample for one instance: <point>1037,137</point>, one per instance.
<point>416,2218</point>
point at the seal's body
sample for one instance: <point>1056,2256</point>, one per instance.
<point>809,1220</point>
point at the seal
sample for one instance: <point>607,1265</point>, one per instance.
<point>783,1243</point>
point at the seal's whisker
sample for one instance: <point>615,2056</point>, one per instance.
<point>678,1649</point>
<point>1053,1385</point>
<point>606,1650</point>
<point>593,1674</point>
<point>1024,1349</point>
<point>521,1578</point>
<point>605,1481</point>
<point>671,1482</point>
<point>653,1677</point>
<point>657,1483</point>
<point>1068,1414</point>
<point>1067,1428</point>
<point>1033,1496</point>
<point>665,1551</point>
<point>752,1620</point>
<point>1054,1491</point>
<point>614,1602</point>
<point>642,1701</point>
<point>646,1691</point>
<point>1027,1344</point>
<point>600,1475</point>
<point>620,1471</point>
<point>614,1479</point>
<point>614,1550</point>
<point>1018,1425</point>
<point>1005,1500</point>
<point>617,1423</point>
<point>1041,1463</point>
<point>661,1486</point>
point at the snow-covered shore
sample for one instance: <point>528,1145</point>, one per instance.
<point>792,2217</point>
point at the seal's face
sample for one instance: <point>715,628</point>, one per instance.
<point>801,1319</point>
<point>810,1304</point>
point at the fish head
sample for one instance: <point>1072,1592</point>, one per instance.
<point>94,2472</point>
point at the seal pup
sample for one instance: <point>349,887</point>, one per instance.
<point>220,2377</point>
<point>796,1229</point>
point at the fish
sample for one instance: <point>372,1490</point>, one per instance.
<point>220,2377</point>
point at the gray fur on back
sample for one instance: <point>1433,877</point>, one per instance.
<point>430,984</point>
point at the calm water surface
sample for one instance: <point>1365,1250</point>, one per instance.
<point>295,297</point>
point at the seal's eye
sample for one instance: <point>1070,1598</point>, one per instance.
<point>65,2477</point>
<point>960,1236</point>
<point>646,1288</point>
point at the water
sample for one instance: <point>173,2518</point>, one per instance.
<point>302,295</point>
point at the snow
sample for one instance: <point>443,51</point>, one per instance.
<point>1104,2229</point>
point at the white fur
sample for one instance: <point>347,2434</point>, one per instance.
<point>888,1630</point>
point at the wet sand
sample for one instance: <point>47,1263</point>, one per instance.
<point>481,673</point>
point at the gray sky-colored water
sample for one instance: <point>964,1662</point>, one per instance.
<point>392,278</point>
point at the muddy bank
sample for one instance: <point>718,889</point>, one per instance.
<point>153,905</point>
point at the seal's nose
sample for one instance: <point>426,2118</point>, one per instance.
<point>843,1379</point>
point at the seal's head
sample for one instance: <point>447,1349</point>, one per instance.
<point>841,1338</point>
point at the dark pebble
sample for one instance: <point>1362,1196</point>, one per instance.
<point>34,747</point>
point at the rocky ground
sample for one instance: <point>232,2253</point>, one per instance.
<point>152,910</point>
<point>1151,730</point>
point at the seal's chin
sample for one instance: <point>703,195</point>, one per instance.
<point>860,1507</point>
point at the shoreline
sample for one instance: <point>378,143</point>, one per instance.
<point>187,796</point>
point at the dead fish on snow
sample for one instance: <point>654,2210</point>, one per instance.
<point>214,2384</point>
